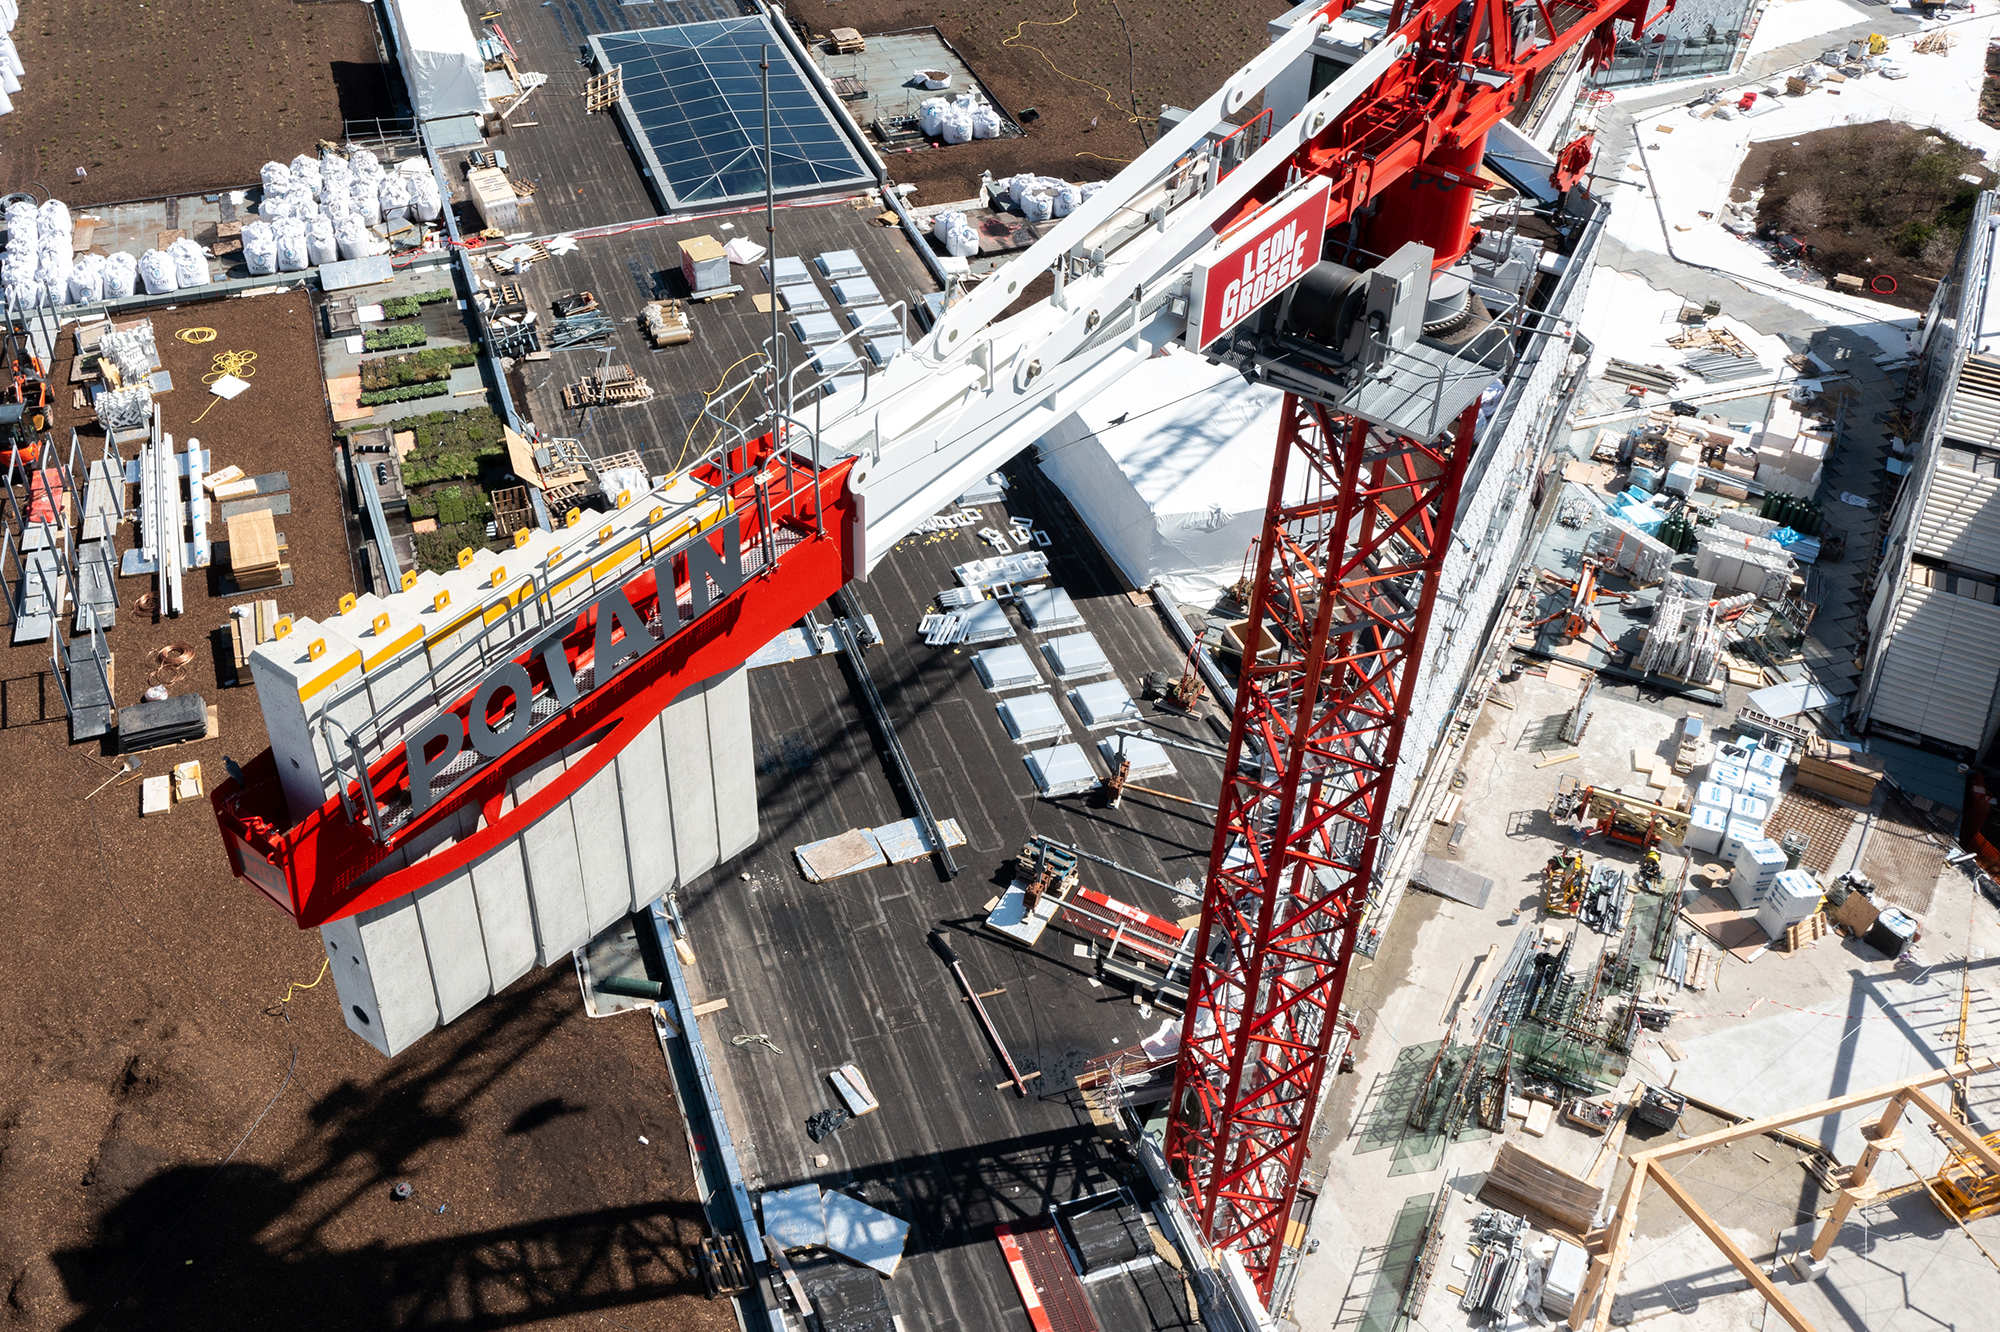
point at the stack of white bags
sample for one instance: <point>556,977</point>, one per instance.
<point>958,119</point>
<point>1042,197</point>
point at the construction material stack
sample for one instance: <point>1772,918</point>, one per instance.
<point>1793,896</point>
<point>253,551</point>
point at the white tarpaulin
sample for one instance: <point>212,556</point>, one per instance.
<point>1171,469</point>
<point>440,58</point>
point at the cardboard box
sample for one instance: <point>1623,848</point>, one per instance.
<point>704,264</point>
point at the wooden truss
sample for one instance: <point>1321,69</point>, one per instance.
<point>1610,1246</point>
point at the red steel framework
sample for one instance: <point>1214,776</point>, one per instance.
<point>1346,578</point>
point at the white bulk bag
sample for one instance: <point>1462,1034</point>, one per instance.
<point>1067,197</point>
<point>955,126</point>
<point>6,102</point>
<point>366,201</point>
<point>190,264</point>
<point>54,267</point>
<point>394,197</point>
<point>276,176</point>
<point>320,247</point>
<point>23,220</point>
<point>260,249</point>
<point>121,275</point>
<point>292,246</point>
<point>53,221</point>
<point>157,271</point>
<point>364,163</point>
<point>305,171</point>
<point>23,296</point>
<point>86,279</point>
<point>426,203</point>
<point>985,123</point>
<point>955,233</point>
<point>352,237</point>
<point>11,58</point>
<point>22,262</point>
<point>930,115</point>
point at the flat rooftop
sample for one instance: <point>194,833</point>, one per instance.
<point>841,971</point>
<point>589,181</point>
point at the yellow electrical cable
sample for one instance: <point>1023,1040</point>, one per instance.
<point>706,398</point>
<point>301,985</point>
<point>1121,161</point>
<point>242,364</point>
<point>196,335</point>
<point>1014,40</point>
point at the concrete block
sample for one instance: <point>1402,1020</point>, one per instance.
<point>506,914</point>
<point>555,873</point>
<point>380,968</point>
<point>649,821</point>
<point>731,755</point>
<point>600,844</point>
<point>449,914</point>
<point>691,784</point>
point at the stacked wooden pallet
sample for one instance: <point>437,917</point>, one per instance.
<point>846,41</point>
<point>1801,933</point>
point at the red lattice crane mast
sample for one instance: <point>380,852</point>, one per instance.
<point>1345,582</point>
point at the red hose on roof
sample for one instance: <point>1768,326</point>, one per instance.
<point>1875,285</point>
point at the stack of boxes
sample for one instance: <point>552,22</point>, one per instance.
<point>1793,896</point>
<point>1758,866</point>
<point>1791,452</point>
<point>1708,821</point>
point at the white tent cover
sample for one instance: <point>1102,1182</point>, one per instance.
<point>440,58</point>
<point>1176,491</point>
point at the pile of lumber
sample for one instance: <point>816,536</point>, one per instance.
<point>1840,772</point>
<point>1710,339</point>
<point>247,631</point>
<point>254,552</point>
<point>1522,1182</point>
<point>846,41</point>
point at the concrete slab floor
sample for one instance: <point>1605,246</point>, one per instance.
<point>1781,1031</point>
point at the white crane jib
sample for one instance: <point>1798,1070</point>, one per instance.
<point>975,392</point>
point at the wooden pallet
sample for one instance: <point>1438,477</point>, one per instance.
<point>604,91</point>
<point>1804,933</point>
<point>846,41</point>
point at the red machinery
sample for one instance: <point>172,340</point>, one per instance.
<point>1346,577</point>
